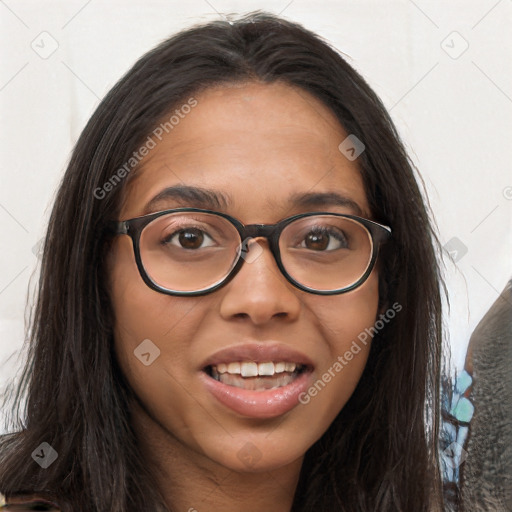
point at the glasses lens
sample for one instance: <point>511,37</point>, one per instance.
<point>326,252</point>
<point>194,251</point>
<point>189,251</point>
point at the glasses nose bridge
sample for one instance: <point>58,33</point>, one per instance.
<point>267,231</point>
<point>258,230</point>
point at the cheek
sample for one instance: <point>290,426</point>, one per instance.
<point>152,336</point>
<point>151,330</point>
<point>140,312</point>
<point>345,323</point>
<point>346,316</point>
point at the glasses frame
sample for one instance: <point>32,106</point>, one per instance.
<point>379,233</point>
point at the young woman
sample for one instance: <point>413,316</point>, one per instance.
<point>239,303</point>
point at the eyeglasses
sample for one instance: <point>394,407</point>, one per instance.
<point>192,251</point>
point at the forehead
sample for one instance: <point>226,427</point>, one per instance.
<point>257,144</point>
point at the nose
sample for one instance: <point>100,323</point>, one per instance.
<point>259,291</point>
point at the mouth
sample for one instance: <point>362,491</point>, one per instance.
<point>254,376</point>
<point>258,381</point>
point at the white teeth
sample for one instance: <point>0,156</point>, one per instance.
<point>290,367</point>
<point>234,368</point>
<point>258,383</point>
<point>266,368</point>
<point>249,369</point>
<point>279,367</point>
<point>252,369</point>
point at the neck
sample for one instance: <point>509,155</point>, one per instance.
<point>189,481</point>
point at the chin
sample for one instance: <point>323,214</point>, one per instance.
<point>257,453</point>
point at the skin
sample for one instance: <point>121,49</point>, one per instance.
<point>259,144</point>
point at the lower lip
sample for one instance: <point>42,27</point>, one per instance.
<point>258,404</point>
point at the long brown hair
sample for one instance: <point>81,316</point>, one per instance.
<point>381,452</point>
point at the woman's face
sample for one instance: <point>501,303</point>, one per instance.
<point>259,146</point>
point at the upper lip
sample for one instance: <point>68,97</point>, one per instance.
<point>261,352</point>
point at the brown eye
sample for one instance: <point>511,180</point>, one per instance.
<point>190,238</point>
<point>324,239</point>
<point>317,241</point>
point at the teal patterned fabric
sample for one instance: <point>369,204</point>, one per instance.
<point>457,411</point>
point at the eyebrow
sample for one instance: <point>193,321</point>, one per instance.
<point>324,199</point>
<point>185,195</point>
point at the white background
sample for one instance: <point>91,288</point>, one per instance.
<point>452,106</point>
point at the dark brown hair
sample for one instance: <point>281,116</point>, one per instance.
<point>381,451</point>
